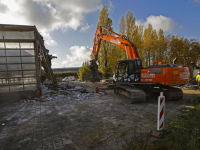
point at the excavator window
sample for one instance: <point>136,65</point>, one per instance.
<point>130,67</point>
<point>134,70</point>
<point>122,68</point>
<point>139,63</point>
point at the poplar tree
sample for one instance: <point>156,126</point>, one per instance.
<point>175,48</point>
<point>105,48</point>
<point>147,45</point>
<point>154,46</point>
<point>137,35</point>
<point>127,28</point>
<point>122,26</point>
<point>121,54</point>
<point>130,25</point>
<point>162,47</point>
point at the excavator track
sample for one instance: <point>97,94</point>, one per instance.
<point>173,94</point>
<point>136,95</point>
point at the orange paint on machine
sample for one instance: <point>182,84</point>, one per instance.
<point>166,76</point>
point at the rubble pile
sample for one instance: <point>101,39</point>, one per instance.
<point>192,84</point>
<point>68,91</point>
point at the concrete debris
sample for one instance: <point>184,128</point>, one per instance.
<point>28,101</point>
<point>71,95</point>
<point>65,91</point>
<point>45,90</point>
<point>38,99</point>
<point>192,82</point>
<point>193,85</point>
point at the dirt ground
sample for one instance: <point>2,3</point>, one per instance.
<point>101,123</point>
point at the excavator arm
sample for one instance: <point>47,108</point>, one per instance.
<point>116,39</point>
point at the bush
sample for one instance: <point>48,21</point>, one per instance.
<point>84,72</point>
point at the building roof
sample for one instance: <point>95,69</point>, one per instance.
<point>12,27</point>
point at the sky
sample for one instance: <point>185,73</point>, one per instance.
<point>68,26</point>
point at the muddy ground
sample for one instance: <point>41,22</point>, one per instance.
<point>100,123</point>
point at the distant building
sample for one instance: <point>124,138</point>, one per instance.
<point>62,70</point>
<point>61,73</point>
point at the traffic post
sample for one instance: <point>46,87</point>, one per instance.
<point>160,121</point>
<point>161,112</point>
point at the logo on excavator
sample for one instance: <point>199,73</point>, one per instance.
<point>117,42</point>
<point>147,75</point>
<point>184,75</point>
<point>175,72</point>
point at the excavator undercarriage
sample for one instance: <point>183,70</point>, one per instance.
<point>135,95</point>
<point>138,94</point>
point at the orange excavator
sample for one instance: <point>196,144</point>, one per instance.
<point>132,79</point>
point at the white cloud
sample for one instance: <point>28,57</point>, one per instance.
<point>197,1</point>
<point>167,24</point>
<point>85,28</point>
<point>111,7</point>
<point>55,54</point>
<point>47,37</point>
<point>3,8</point>
<point>55,65</point>
<point>47,15</point>
<point>78,56</point>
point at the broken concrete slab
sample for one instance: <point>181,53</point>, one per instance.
<point>68,91</point>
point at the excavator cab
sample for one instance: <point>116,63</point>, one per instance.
<point>128,70</point>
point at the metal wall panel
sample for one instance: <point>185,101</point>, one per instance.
<point>17,62</point>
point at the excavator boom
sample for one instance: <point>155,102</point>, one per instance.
<point>117,39</point>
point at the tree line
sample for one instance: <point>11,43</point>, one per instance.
<point>152,45</point>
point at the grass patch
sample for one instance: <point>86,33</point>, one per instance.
<point>184,133</point>
<point>101,136</point>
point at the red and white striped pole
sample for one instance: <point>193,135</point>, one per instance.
<point>161,112</point>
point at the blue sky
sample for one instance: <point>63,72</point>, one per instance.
<point>68,27</point>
